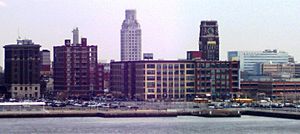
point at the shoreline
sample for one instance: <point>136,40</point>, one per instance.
<point>208,113</point>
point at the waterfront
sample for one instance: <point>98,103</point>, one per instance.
<point>174,125</point>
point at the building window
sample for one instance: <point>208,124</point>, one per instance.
<point>150,72</point>
<point>150,96</point>
<point>165,66</point>
<point>181,66</point>
<point>190,66</point>
<point>190,84</point>
<point>190,72</point>
<point>150,77</point>
<point>150,90</point>
<point>176,66</point>
<point>158,66</point>
<point>150,84</point>
<point>150,65</point>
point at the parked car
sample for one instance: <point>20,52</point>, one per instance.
<point>235,105</point>
<point>211,106</point>
<point>77,104</point>
<point>58,104</point>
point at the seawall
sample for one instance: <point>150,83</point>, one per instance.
<point>105,114</point>
<point>276,114</point>
<point>120,114</point>
<point>151,113</point>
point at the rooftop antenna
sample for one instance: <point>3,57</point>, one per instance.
<point>19,37</point>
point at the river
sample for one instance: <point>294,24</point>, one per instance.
<point>171,125</point>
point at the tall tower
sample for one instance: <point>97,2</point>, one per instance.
<point>75,36</point>
<point>131,42</point>
<point>209,40</point>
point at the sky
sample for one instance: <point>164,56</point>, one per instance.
<point>169,27</point>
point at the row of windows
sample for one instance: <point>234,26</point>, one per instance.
<point>26,88</point>
<point>165,90</point>
<point>170,72</point>
<point>27,95</point>
<point>170,66</point>
<point>176,96</point>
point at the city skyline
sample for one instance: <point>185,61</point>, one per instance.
<point>258,25</point>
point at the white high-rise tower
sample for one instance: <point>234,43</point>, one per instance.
<point>131,38</point>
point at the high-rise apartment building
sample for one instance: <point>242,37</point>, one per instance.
<point>250,60</point>
<point>131,38</point>
<point>75,68</point>
<point>22,69</point>
<point>209,40</point>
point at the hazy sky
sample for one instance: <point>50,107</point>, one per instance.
<point>169,27</point>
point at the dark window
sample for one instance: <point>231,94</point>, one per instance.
<point>190,72</point>
<point>190,84</point>
<point>150,65</point>
<point>181,66</point>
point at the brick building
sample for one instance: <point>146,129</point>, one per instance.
<point>277,90</point>
<point>174,80</point>
<point>75,68</point>
<point>22,69</point>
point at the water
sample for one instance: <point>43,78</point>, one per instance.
<point>169,125</point>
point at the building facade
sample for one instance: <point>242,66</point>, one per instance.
<point>75,69</point>
<point>174,80</point>
<point>22,69</point>
<point>106,76</point>
<point>148,56</point>
<point>297,70</point>
<point>45,63</point>
<point>131,38</point>
<point>278,71</point>
<point>193,55</point>
<point>284,91</point>
<point>209,40</point>
<point>250,60</point>
<point>218,79</point>
<point>3,91</point>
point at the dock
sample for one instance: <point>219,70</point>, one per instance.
<point>217,113</point>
